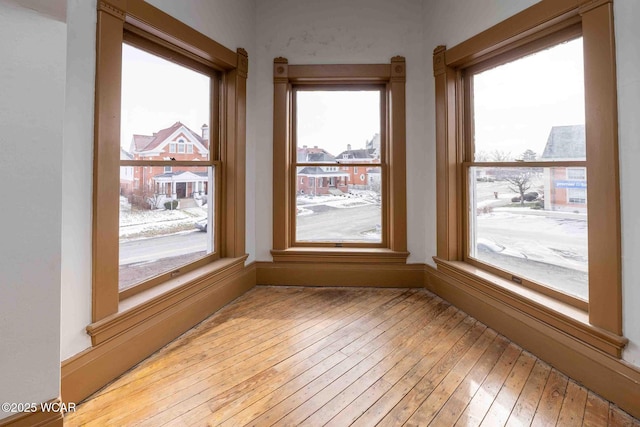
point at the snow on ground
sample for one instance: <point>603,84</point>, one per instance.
<point>144,223</point>
<point>352,199</point>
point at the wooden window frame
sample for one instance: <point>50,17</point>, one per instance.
<point>161,34</point>
<point>391,79</point>
<point>601,319</point>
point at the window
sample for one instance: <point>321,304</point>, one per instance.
<point>190,148</point>
<point>530,104</point>
<point>519,155</point>
<point>214,80</point>
<point>344,113</point>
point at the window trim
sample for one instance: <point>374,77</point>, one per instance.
<point>170,35</point>
<point>393,77</point>
<point>533,24</point>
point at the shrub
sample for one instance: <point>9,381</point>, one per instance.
<point>515,199</point>
<point>171,204</point>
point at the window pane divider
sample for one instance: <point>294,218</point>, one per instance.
<point>551,164</point>
<point>191,163</point>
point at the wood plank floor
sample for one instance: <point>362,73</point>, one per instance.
<point>344,356</point>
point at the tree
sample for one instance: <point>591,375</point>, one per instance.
<point>529,155</point>
<point>519,184</point>
<point>482,156</point>
<point>500,156</point>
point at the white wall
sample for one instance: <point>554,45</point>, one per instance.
<point>453,21</point>
<point>231,23</point>
<point>77,175</point>
<point>339,31</point>
<point>32,74</point>
<point>627,14</point>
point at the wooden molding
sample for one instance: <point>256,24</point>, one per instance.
<point>544,24</point>
<point>569,319</point>
<point>35,419</point>
<point>243,63</point>
<point>158,32</point>
<point>603,373</point>
<point>398,69</point>
<point>112,9</point>
<point>87,372</point>
<point>345,274</point>
<point>439,60</point>
<point>340,255</point>
<point>601,128</point>
<point>389,78</point>
<point>188,285</point>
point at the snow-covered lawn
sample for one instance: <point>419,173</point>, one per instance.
<point>142,223</point>
<point>354,198</point>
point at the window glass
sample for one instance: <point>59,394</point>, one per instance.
<point>531,222</point>
<point>163,103</point>
<point>516,104</point>
<point>322,215</point>
<point>338,203</point>
<point>166,225</point>
<point>541,236</point>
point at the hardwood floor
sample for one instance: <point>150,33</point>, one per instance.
<point>344,356</point>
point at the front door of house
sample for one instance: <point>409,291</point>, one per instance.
<point>181,190</point>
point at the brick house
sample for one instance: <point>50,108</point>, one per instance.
<point>177,142</point>
<point>318,180</point>
<point>358,175</point>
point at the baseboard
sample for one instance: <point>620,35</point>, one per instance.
<point>606,375</point>
<point>340,274</point>
<point>90,370</point>
<point>35,419</point>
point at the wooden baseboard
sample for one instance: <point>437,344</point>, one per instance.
<point>336,274</point>
<point>606,375</point>
<point>35,419</point>
<point>90,370</point>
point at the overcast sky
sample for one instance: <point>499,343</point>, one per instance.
<point>516,104</point>
<point>157,93</point>
<point>333,119</point>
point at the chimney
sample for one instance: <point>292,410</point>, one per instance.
<point>315,146</point>
<point>348,147</point>
<point>205,132</point>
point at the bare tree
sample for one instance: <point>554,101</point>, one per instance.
<point>500,156</point>
<point>520,183</point>
<point>482,156</point>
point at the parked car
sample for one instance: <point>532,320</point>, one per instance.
<point>489,246</point>
<point>202,224</point>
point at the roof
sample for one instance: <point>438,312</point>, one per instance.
<point>149,142</point>
<point>362,153</point>
<point>177,174</point>
<point>125,155</point>
<point>565,142</point>
<point>314,154</point>
<point>318,171</point>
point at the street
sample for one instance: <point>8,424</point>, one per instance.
<point>157,248</point>
<point>340,224</point>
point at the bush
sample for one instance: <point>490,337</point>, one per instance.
<point>515,199</point>
<point>171,205</point>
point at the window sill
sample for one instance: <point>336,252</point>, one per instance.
<point>340,255</point>
<point>153,302</point>
<point>562,316</point>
